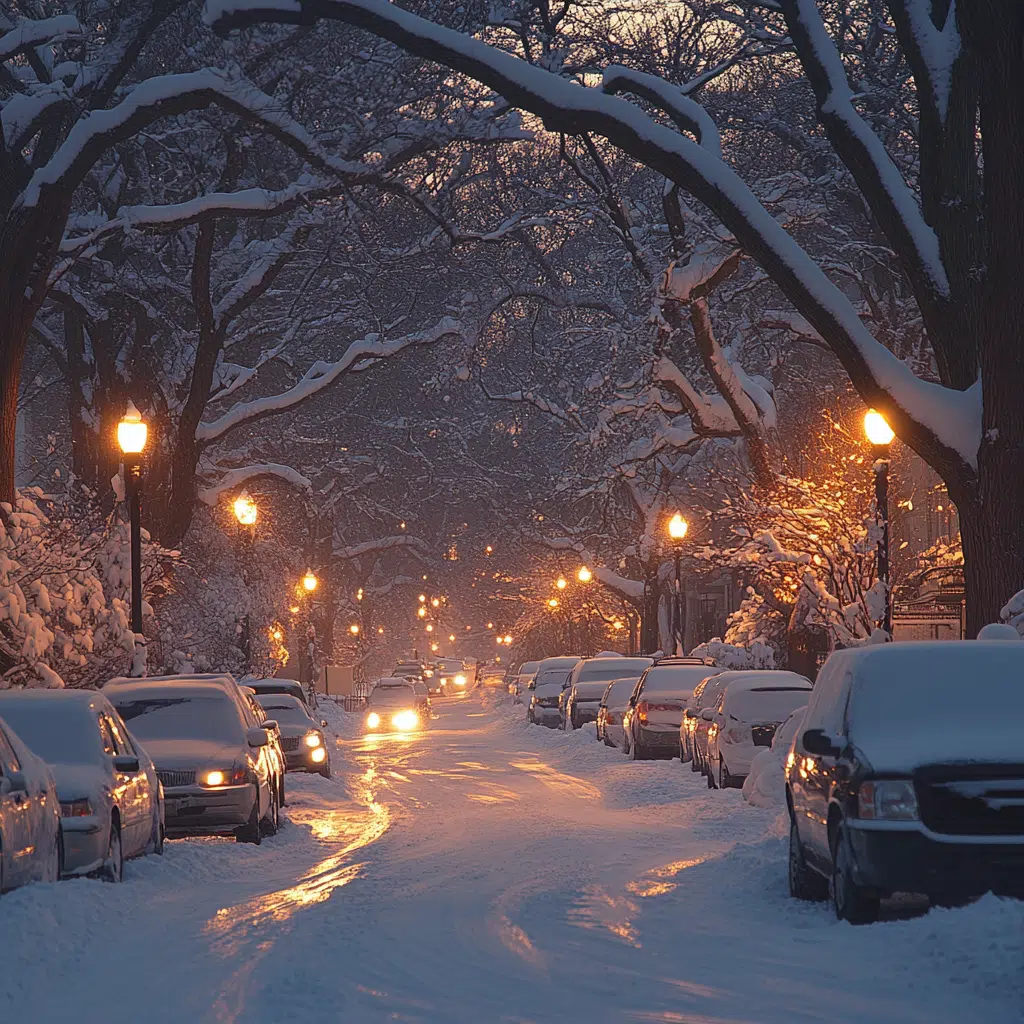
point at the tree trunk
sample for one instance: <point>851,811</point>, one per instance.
<point>12,355</point>
<point>649,627</point>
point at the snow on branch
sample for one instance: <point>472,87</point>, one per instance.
<point>235,478</point>
<point>29,33</point>
<point>321,375</point>
<point>709,414</point>
<point>632,590</point>
<point>370,547</point>
<point>941,423</point>
<point>931,51</point>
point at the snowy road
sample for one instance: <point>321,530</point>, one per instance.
<point>490,871</point>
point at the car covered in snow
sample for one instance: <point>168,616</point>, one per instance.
<point>582,703</point>
<point>394,706</point>
<point>743,721</point>
<point>554,670</point>
<point>111,803</point>
<point>451,677</point>
<point>302,737</point>
<point>765,784</point>
<point>652,721</point>
<point>892,789</point>
<point>211,754</point>
<point>602,668</point>
<point>613,706</point>
<point>543,706</point>
<point>290,686</point>
<point>524,675</point>
<point>30,836</point>
<point>705,695</point>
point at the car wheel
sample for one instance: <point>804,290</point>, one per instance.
<point>724,778</point>
<point>850,901</point>
<point>250,831</point>
<point>281,801</point>
<point>271,821</point>
<point>694,763</point>
<point>156,837</point>
<point>113,865</point>
<point>804,883</point>
<point>710,776</point>
<point>635,752</point>
<point>54,863</point>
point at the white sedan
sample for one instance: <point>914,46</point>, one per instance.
<point>614,704</point>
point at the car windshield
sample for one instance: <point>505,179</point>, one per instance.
<point>60,735</point>
<point>451,666</point>
<point>591,690</point>
<point>765,704</point>
<point>388,695</point>
<point>618,693</point>
<point>549,689</point>
<point>612,668</point>
<point>675,679</point>
<point>185,716</point>
<point>292,689</point>
<point>529,669</point>
<point>284,709</point>
<point>552,677</point>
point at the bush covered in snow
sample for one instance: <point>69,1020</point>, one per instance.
<point>758,654</point>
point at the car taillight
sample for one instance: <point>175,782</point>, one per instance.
<point>75,809</point>
<point>642,710</point>
<point>609,718</point>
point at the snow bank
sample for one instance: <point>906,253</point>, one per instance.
<point>765,786</point>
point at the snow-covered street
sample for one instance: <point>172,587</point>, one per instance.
<point>492,871</point>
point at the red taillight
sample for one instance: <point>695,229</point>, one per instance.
<point>642,710</point>
<point>609,718</point>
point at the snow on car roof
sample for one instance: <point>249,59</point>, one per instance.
<point>619,690</point>
<point>279,700</point>
<point>592,689</point>
<point>677,678</point>
<point>750,679</point>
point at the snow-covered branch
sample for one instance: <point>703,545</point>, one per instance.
<point>370,547</point>
<point>235,478</point>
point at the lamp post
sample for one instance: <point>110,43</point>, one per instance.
<point>881,435</point>
<point>246,512</point>
<point>677,527</point>
<point>131,438</point>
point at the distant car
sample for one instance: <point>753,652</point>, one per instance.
<point>525,674</point>
<point>210,752</point>
<point>614,703</point>
<point>302,737</point>
<point>554,670</point>
<point>30,835</point>
<point>423,693</point>
<point>451,675</point>
<point>888,792</point>
<point>601,669</point>
<point>394,706</point>
<point>748,711</point>
<point>705,695</point>
<point>652,721</point>
<point>289,686</point>
<point>111,803</point>
<point>543,706</point>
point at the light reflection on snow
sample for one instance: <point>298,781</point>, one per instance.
<point>567,785</point>
<point>596,908</point>
<point>655,881</point>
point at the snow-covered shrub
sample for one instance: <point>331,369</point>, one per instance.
<point>64,593</point>
<point>765,786</point>
<point>1013,612</point>
<point>758,654</point>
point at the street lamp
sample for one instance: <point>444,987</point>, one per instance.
<point>354,629</point>
<point>561,583</point>
<point>423,598</point>
<point>553,602</point>
<point>451,636</point>
<point>881,435</point>
<point>131,438</point>
<point>677,528</point>
<point>421,612</point>
<point>310,582</point>
<point>246,512</point>
<point>508,639</point>
<point>584,575</point>
<point>436,602</point>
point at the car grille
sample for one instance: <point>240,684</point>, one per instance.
<point>548,703</point>
<point>973,803</point>
<point>290,743</point>
<point>763,734</point>
<point>171,779</point>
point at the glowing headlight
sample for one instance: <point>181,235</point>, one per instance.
<point>313,739</point>
<point>213,778</point>
<point>460,680</point>
<point>318,755</point>
<point>405,720</point>
<point>372,720</point>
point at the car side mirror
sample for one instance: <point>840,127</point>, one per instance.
<point>690,713</point>
<point>270,725</point>
<point>13,782</point>
<point>257,736</point>
<point>708,715</point>
<point>817,741</point>
<point>531,685</point>
<point>126,764</point>
<point>323,723</point>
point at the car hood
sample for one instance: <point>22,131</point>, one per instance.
<point>186,755</point>
<point>79,781</point>
<point>892,747</point>
<point>289,730</point>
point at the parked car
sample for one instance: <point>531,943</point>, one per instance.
<point>289,686</point>
<point>111,804</point>
<point>302,738</point>
<point>526,674</point>
<point>653,718</point>
<point>765,784</point>
<point>888,791</point>
<point>582,703</point>
<point>543,706</point>
<point>614,704</point>
<point>602,668</point>
<point>423,693</point>
<point>554,670</point>
<point>211,754</point>
<point>744,719</point>
<point>705,695</point>
<point>30,836</point>
<point>393,706</point>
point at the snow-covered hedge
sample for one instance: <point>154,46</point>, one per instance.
<point>757,654</point>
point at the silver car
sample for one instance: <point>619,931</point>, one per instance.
<point>30,849</point>
<point>302,737</point>
<point>218,773</point>
<point>111,807</point>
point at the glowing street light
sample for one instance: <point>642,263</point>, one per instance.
<point>430,627</point>
<point>421,612</point>
<point>132,431</point>
<point>561,583</point>
<point>354,629</point>
<point>359,594</point>
<point>500,639</point>
<point>508,639</point>
<point>677,529</point>
<point>451,636</point>
<point>489,549</point>
<point>310,582</point>
<point>380,630</point>
<point>490,625</point>
<point>436,602</point>
<point>246,510</point>
<point>434,647</point>
<point>131,438</point>
<point>553,602</point>
<point>423,598</point>
<point>881,435</point>
<point>877,429</point>
<point>584,575</point>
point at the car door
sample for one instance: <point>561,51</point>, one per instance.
<point>629,718</point>
<point>138,796</point>
<point>16,819</point>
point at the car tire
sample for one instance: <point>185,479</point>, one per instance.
<point>52,870</point>
<point>113,866</point>
<point>725,780</point>
<point>271,821</point>
<point>156,836</point>
<point>694,763</point>
<point>635,752</point>
<point>281,801</point>
<point>851,902</point>
<point>250,831</point>
<point>804,882</point>
<point>710,776</point>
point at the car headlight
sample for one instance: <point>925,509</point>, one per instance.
<point>214,778</point>
<point>405,720</point>
<point>887,800</point>
<point>460,680</point>
<point>318,755</point>
<point>313,739</point>
<point>372,720</point>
